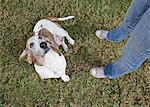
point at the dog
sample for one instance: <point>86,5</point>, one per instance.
<point>42,49</point>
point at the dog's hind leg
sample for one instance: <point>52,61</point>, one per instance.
<point>70,40</point>
<point>64,45</point>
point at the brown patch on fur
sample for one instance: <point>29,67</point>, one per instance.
<point>50,38</point>
<point>28,56</point>
<point>35,59</point>
<point>53,19</point>
<point>45,33</point>
<point>38,60</point>
<point>24,55</point>
<point>56,50</point>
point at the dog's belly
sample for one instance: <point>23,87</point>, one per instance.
<point>51,26</point>
<point>54,66</point>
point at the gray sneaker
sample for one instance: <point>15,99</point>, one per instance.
<point>98,72</point>
<point>102,34</point>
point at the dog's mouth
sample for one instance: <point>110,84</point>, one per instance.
<point>46,50</point>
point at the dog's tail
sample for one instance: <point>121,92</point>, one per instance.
<point>60,19</point>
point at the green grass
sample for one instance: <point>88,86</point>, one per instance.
<point>20,85</point>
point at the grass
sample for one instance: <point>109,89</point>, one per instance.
<point>20,85</point>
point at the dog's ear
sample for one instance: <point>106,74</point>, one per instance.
<point>27,56</point>
<point>56,49</point>
<point>33,58</point>
<point>30,58</point>
<point>38,60</point>
<point>23,54</point>
<point>50,38</point>
<point>45,33</point>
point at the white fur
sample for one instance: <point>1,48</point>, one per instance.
<point>54,67</point>
<point>65,18</point>
<point>53,28</point>
<point>54,64</point>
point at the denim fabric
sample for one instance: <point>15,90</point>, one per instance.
<point>137,49</point>
<point>133,15</point>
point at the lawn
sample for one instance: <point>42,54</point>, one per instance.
<point>20,86</point>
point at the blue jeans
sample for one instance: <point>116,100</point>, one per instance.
<point>137,49</point>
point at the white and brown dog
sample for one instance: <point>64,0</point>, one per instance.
<point>42,48</point>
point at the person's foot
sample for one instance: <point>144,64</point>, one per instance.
<point>98,72</point>
<point>102,34</point>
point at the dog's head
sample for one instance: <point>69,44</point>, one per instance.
<point>38,45</point>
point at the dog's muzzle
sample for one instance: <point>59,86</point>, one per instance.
<point>46,50</point>
<point>44,46</point>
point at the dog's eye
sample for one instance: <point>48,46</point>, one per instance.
<point>39,37</point>
<point>31,45</point>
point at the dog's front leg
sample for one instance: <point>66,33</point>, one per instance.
<point>65,78</point>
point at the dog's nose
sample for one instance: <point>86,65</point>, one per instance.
<point>43,45</point>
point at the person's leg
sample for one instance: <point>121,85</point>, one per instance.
<point>132,17</point>
<point>135,52</point>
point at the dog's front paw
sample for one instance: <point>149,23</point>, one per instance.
<point>72,42</point>
<point>65,78</point>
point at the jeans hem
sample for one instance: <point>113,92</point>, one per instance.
<point>135,63</point>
